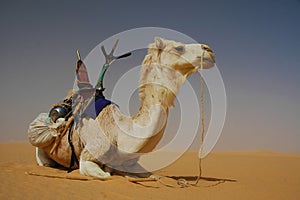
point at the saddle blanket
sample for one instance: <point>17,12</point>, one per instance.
<point>96,107</point>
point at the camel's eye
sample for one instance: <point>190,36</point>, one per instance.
<point>179,49</point>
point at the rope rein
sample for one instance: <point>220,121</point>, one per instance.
<point>183,182</point>
<point>202,118</point>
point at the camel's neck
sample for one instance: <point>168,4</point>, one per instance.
<point>158,88</point>
<point>154,94</point>
<point>159,85</point>
<point>142,132</point>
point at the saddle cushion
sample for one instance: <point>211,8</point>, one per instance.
<point>96,107</point>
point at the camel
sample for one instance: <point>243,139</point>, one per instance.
<point>114,142</point>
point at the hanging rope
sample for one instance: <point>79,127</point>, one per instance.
<point>202,118</point>
<point>183,182</point>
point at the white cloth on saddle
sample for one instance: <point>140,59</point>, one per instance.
<point>42,131</point>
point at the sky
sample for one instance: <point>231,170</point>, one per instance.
<point>256,45</point>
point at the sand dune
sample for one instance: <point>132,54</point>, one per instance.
<point>226,175</point>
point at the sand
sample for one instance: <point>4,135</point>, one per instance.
<point>226,175</point>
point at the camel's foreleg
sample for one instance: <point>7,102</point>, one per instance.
<point>43,159</point>
<point>89,167</point>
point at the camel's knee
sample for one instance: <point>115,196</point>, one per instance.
<point>43,159</point>
<point>90,168</point>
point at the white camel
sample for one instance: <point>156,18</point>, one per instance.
<point>113,140</point>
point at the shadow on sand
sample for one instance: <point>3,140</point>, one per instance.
<point>216,181</point>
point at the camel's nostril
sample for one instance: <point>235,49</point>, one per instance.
<point>209,51</point>
<point>206,48</point>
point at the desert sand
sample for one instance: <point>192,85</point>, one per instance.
<point>226,175</point>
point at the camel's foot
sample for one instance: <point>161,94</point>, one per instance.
<point>90,168</point>
<point>43,159</point>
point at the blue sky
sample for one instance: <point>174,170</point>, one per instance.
<point>256,45</point>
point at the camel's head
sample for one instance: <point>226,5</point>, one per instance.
<point>184,58</point>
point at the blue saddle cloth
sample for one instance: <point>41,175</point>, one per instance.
<point>96,107</point>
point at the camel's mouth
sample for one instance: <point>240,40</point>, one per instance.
<point>206,62</point>
<point>207,59</point>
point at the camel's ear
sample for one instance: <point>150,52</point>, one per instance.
<point>159,42</point>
